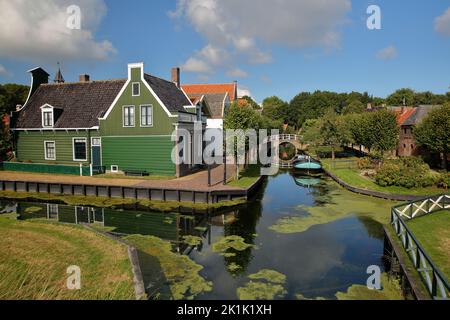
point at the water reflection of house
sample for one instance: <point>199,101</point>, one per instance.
<point>223,219</point>
<point>166,226</point>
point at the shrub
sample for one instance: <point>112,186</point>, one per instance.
<point>405,172</point>
<point>443,181</point>
<point>365,163</point>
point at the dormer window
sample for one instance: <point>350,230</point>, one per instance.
<point>48,116</point>
<point>136,89</point>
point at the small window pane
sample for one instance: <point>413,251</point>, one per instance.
<point>79,147</point>
<point>50,152</point>
<point>96,142</point>
<point>136,89</point>
<point>146,116</point>
<point>128,116</point>
<point>48,119</point>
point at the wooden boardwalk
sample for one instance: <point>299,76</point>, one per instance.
<point>193,188</point>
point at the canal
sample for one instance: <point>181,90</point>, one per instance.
<point>301,237</point>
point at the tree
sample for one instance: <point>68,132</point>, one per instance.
<point>274,108</point>
<point>383,130</point>
<point>332,131</point>
<point>401,97</point>
<point>434,132</point>
<point>10,96</point>
<point>251,103</point>
<point>355,106</point>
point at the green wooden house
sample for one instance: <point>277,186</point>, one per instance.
<point>118,126</point>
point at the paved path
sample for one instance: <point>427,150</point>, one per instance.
<point>197,181</point>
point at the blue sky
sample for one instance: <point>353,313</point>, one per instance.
<point>328,47</point>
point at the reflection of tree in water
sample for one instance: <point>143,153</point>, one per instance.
<point>245,227</point>
<point>322,192</point>
<point>374,228</point>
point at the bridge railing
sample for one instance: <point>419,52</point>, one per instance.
<point>289,137</point>
<point>436,283</point>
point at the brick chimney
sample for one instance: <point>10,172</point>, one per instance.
<point>85,78</point>
<point>176,76</point>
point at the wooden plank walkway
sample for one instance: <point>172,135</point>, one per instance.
<point>193,188</point>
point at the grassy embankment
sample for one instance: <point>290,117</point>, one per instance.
<point>34,258</point>
<point>432,231</point>
<point>247,177</point>
<point>354,178</point>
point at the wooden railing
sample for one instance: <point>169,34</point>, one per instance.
<point>437,284</point>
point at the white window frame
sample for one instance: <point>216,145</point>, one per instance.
<point>139,89</point>
<point>45,151</point>
<point>140,115</point>
<point>134,117</point>
<point>47,109</point>
<point>115,166</point>
<point>73,149</point>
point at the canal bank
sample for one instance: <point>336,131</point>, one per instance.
<point>289,241</point>
<point>203,189</point>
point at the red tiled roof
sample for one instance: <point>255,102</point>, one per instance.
<point>403,115</point>
<point>192,89</point>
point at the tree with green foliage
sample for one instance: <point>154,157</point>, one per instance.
<point>401,97</point>
<point>434,132</point>
<point>274,108</point>
<point>355,106</point>
<point>251,103</point>
<point>11,95</point>
<point>384,130</point>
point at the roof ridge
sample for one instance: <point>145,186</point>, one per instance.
<point>86,82</point>
<point>210,84</point>
<point>150,75</point>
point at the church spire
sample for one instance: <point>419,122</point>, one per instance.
<point>59,77</point>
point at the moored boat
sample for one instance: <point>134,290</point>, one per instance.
<point>307,163</point>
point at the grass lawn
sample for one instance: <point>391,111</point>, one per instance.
<point>432,231</point>
<point>353,178</point>
<point>34,257</point>
<point>247,177</point>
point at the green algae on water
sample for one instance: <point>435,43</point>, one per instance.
<point>225,244</point>
<point>343,204</point>
<point>269,287</point>
<point>33,209</point>
<point>261,291</point>
<point>269,275</point>
<point>192,240</point>
<point>391,290</point>
<point>233,267</point>
<point>299,296</point>
<point>182,273</point>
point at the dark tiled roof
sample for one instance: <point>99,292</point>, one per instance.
<point>173,98</point>
<point>80,104</point>
<point>420,114</point>
<point>215,102</point>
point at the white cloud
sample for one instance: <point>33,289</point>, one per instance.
<point>3,71</point>
<point>205,60</point>
<point>442,23</point>
<point>37,30</point>
<point>237,73</point>
<point>243,92</point>
<point>387,53</point>
<point>245,28</point>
